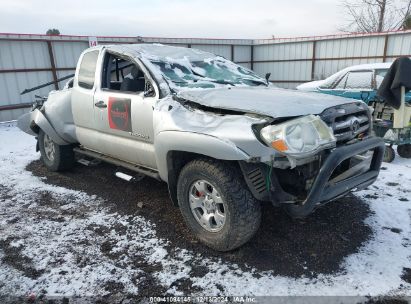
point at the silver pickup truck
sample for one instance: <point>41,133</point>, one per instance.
<point>223,138</point>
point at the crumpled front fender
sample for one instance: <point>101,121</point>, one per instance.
<point>28,122</point>
<point>207,145</point>
<point>24,123</point>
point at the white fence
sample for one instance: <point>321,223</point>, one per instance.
<point>29,60</point>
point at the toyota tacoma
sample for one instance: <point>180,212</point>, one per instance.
<point>224,139</point>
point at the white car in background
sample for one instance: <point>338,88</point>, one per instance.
<point>358,82</point>
<point>362,82</point>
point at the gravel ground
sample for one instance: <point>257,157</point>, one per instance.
<point>316,245</point>
<point>87,233</point>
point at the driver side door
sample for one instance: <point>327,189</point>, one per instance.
<point>123,112</point>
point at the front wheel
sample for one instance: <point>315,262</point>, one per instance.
<point>217,205</point>
<point>55,157</point>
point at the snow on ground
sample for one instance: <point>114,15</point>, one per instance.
<point>58,245</point>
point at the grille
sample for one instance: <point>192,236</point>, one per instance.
<point>348,121</point>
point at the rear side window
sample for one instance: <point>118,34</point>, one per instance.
<point>87,70</point>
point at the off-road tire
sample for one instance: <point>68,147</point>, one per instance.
<point>63,156</point>
<point>243,211</point>
<point>389,154</point>
<point>404,150</point>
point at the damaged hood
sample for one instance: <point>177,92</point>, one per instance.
<point>266,101</point>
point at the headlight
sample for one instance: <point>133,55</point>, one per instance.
<point>300,136</point>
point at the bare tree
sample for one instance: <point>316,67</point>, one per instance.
<point>407,23</point>
<point>372,16</point>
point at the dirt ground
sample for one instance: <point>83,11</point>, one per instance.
<point>307,247</point>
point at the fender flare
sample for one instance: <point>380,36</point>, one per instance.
<point>197,143</point>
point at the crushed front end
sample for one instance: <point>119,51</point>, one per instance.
<point>302,184</point>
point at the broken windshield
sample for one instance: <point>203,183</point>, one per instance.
<point>206,73</point>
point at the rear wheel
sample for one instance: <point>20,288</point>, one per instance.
<point>404,150</point>
<point>217,205</point>
<point>55,157</point>
<point>389,154</point>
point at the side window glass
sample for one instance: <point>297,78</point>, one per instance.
<point>122,75</point>
<point>87,72</point>
<point>341,84</point>
<point>359,80</point>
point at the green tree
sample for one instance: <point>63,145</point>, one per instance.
<point>53,31</point>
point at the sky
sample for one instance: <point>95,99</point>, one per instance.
<point>173,18</point>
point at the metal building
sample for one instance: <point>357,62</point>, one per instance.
<point>27,60</point>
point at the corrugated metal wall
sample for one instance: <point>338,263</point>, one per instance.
<point>285,61</point>
<point>298,60</point>
<point>30,60</point>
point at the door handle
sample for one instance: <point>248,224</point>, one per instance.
<point>100,104</point>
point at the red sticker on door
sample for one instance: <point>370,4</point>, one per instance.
<point>119,113</point>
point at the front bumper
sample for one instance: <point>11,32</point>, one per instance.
<point>323,190</point>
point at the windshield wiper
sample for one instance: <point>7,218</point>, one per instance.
<point>221,81</point>
<point>255,81</point>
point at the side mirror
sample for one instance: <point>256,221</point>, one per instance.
<point>267,77</point>
<point>149,89</point>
